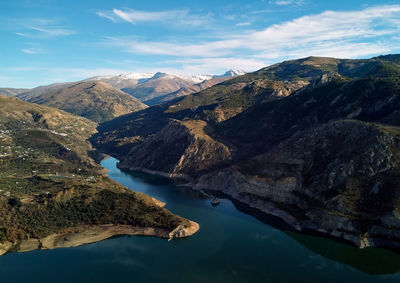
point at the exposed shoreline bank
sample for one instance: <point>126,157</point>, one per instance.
<point>93,234</point>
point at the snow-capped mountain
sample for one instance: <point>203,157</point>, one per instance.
<point>200,78</point>
<point>123,80</point>
<point>148,87</point>
<point>232,73</point>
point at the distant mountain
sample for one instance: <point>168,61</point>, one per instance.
<point>96,100</point>
<point>12,91</point>
<point>161,87</point>
<point>313,141</point>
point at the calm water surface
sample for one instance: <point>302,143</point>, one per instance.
<point>231,246</point>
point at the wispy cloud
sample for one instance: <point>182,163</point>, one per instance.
<point>243,24</point>
<point>107,15</point>
<point>22,34</point>
<point>289,2</point>
<point>359,33</point>
<point>31,50</point>
<point>52,31</point>
<point>173,17</point>
<point>39,28</point>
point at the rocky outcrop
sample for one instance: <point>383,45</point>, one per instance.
<point>181,148</point>
<point>338,179</point>
<point>183,231</point>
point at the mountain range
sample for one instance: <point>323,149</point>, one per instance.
<point>314,142</point>
<point>103,98</point>
<point>159,87</point>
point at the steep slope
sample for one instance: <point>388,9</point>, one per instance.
<point>52,191</point>
<point>267,124</point>
<point>197,150</point>
<point>340,179</point>
<point>96,101</point>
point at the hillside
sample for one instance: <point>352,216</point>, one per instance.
<point>52,188</point>
<point>12,91</point>
<point>96,101</point>
<point>313,141</point>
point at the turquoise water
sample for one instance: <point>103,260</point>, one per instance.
<point>231,246</point>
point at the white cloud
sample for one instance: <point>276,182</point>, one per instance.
<point>360,33</point>
<point>172,17</point>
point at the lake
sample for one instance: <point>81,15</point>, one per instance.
<point>231,246</point>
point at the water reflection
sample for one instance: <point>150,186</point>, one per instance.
<point>374,261</point>
<point>368,260</point>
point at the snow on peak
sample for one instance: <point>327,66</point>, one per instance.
<point>142,77</point>
<point>200,78</point>
<point>233,73</point>
<point>122,77</point>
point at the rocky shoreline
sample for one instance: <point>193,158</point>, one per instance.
<point>331,224</point>
<point>319,222</point>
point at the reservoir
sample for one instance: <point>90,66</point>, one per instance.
<point>231,246</point>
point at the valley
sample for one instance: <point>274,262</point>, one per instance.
<point>312,141</point>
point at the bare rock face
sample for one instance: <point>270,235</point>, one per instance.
<point>180,148</point>
<point>340,179</point>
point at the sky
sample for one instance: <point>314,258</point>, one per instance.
<point>50,41</point>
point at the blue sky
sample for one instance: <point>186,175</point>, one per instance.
<point>50,41</point>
